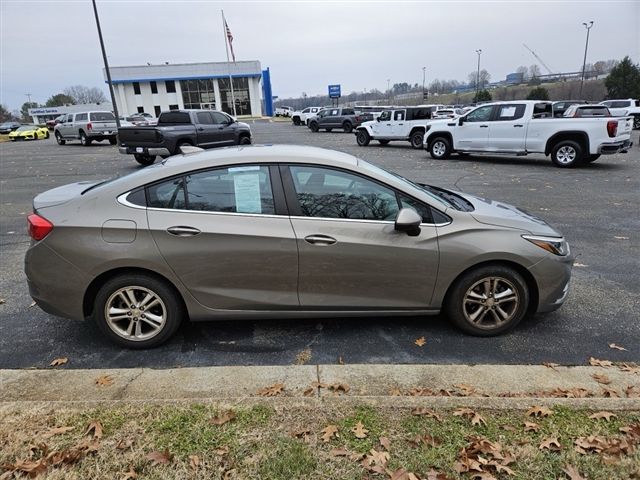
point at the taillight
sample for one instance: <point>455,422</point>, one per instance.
<point>612,128</point>
<point>39,227</point>
<point>89,126</point>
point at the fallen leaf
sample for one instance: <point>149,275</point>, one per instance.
<point>632,391</point>
<point>603,415</point>
<point>609,393</point>
<point>59,361</point>
<point>385,442</point>
<point>33,304</point>
<point>104,380</point>
<point>531,427</point>
<point>223,418</point>
<point>601,378</point>
<point>339,452</point>
<point>329,432</point>
<point>573,473</point>
<point>580,265</point>
<point>221,450</point>
<point>304,434</point>
<point>130,475</point>
<point>551,365</point>
<point>160,458</point>
<point>339,388</point>
<point>359,431</point>
<point>303,357</point>
<point>539,411</point>
<point>272,390</point>
<point>551,443</point>
<point>309,392</point>
<point>395,392</point>
<point>466,390</point>
<point>194,461</point>
<point>621,238</point>
<point>420,341</point>
<point>422,411</point>
<point>476,419</point>
<point>629,368</point>
<point>617,347</point>
<point>124,444</point>
<point>56,431</point>
<point>94,428</point>
<point>600,363</point>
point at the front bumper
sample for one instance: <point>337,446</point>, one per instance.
<point>153,151</point>
<point>615,147</point>
<point>552,275</point>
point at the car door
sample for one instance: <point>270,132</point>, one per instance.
<point>507,129</point>
<point>208,132</point>
<point>399,124</point>
<point>226,129</point>
<point>226,235</point>
<point>382,127</point>
<point>66,127</point>
<point>350,255</point>
<point>473,134</point>
<point>322,119</point>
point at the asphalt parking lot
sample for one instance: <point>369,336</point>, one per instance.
<point>596,207</point>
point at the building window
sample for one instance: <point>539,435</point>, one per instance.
<point>154,87</point>
<point>140,109</point>
<point>174,107</point>
<point>240,92</point>
<point>157,110</point>
<point>198,94</point>
<point>136,88</point>
<point>171,86</point>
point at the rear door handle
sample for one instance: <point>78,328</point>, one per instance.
<point>181,231</point>
<point>201,129</point>
<point>484,126</point>
<point>320,240</point>
<point>518,126</point>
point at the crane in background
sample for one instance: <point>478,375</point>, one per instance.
<point>539,59</point>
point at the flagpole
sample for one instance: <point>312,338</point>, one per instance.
<point>226,46</point>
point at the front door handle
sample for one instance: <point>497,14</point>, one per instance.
<point>484,126</point>
<point>181,231</point>
<point>518,126</point>
<point>320,240</point>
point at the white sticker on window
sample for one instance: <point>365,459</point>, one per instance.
<point>508,112</point>
<point>247,190</point>
<point>250,168</point>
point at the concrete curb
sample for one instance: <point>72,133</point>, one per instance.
<point>479,386</point>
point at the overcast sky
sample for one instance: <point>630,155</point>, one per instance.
<point>49,45</point>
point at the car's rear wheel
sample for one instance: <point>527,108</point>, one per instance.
<point>144,160</point>
<point>440,148</point>
<point>296,121</point>
<point>84,140</point>
<point>59,139</point>
<point>416,139</point>
<point>383,142</point>
<point>347,127</point>
<point>113,140</point>
<point>363,138</point>
<point>488,300</point>
<point>137,311</point>
<point>567,154</point>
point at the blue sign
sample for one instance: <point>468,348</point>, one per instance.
<point>334,91</point>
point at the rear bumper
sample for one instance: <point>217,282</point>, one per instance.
<point>615,147</point>
<point>150,151</point>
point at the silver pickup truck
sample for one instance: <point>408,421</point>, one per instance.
<point>87,127</point>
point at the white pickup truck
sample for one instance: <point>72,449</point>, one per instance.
<point>625,108</point>
<point>301,117</point>
<point>523,127</point>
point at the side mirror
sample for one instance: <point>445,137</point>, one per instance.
<point>377,119</point>
<point>461,120</point>
<point>408,221</point>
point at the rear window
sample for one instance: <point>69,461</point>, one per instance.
<point>174,117</point>
<point>101,116</point>
<point>594,111</point>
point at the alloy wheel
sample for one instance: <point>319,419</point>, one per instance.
<point>491,302</point>
<point>135,313</point>
<point>566,154</point>
<point>439,149</point>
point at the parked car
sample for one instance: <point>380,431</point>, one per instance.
<point>300,117</point>
<point>344,118</point>
<point>400,123</point>
<point>527,126</point>
<point>29,132</point>
<point>579,111</point>
<point>447,113</point>
<point>625,108</point>
<point>94,126</point>
<point>284,232</point>
<point>177,128</point>
<point>135,120</point>
<point>283,111</point>
<point>561,106</point>
<point>8,127</point>
<point>53,122</point>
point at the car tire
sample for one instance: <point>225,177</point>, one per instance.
<point>363,138</point>
<point>636,122</point>
<point>144,160</point>
<point>440,148</point>
<point>84,140</point>
<point>470,301</point>
<point>244,140</point>
<point>416,139</point>
<point>314,127</point>
<point>567,154</point>
<point>296,121</point>
<point>113,140</point>
<point>592,158</point>
<point>59,139</point>
<point>383,142</point>
<point>114,311</point>
<point>182,144</point>
<point>347,127</point>
<point>47,134</point>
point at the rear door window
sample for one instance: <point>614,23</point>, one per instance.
<point>102,117</point>
<point>169,194</point>
<point>510,112</point>
<point>173,118</point>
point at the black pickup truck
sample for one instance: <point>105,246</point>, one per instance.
<point>177,128</point>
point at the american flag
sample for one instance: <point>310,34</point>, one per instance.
<point>230,39</point>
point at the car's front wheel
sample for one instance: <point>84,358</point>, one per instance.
<point>363,138</point>
<point>440,148</point>
<point>46,134</point>
<point>59,139</point>
<point>137,311</point>
<point>488,300</point>
<point>314,126</point>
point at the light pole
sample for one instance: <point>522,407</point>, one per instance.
<point>388,90</point>
<point>106,66</point>
<point>586,45</point>
<point>424,74</point>
<point>365,96</point>
<point>479,52</point>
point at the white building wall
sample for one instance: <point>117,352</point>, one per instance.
<point>254,95</point>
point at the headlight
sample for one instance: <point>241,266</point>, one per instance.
<point>555,245</point>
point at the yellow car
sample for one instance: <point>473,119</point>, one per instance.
<point>29,132</point>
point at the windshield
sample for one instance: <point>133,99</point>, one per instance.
<point>26,128</point>
<point>385,115</point>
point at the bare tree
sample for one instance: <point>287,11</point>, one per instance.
<point>534,71</point>
<point>524,71</point>
<point>82,95</point>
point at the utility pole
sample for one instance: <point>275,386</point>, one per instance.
<point>28,95</point>
<point>479,52</point>
<point>424,75</point>
<point>388,90</point>
<point>586,45</point>
<point>106,66</point>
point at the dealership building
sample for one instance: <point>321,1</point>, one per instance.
<point>156,88</point>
